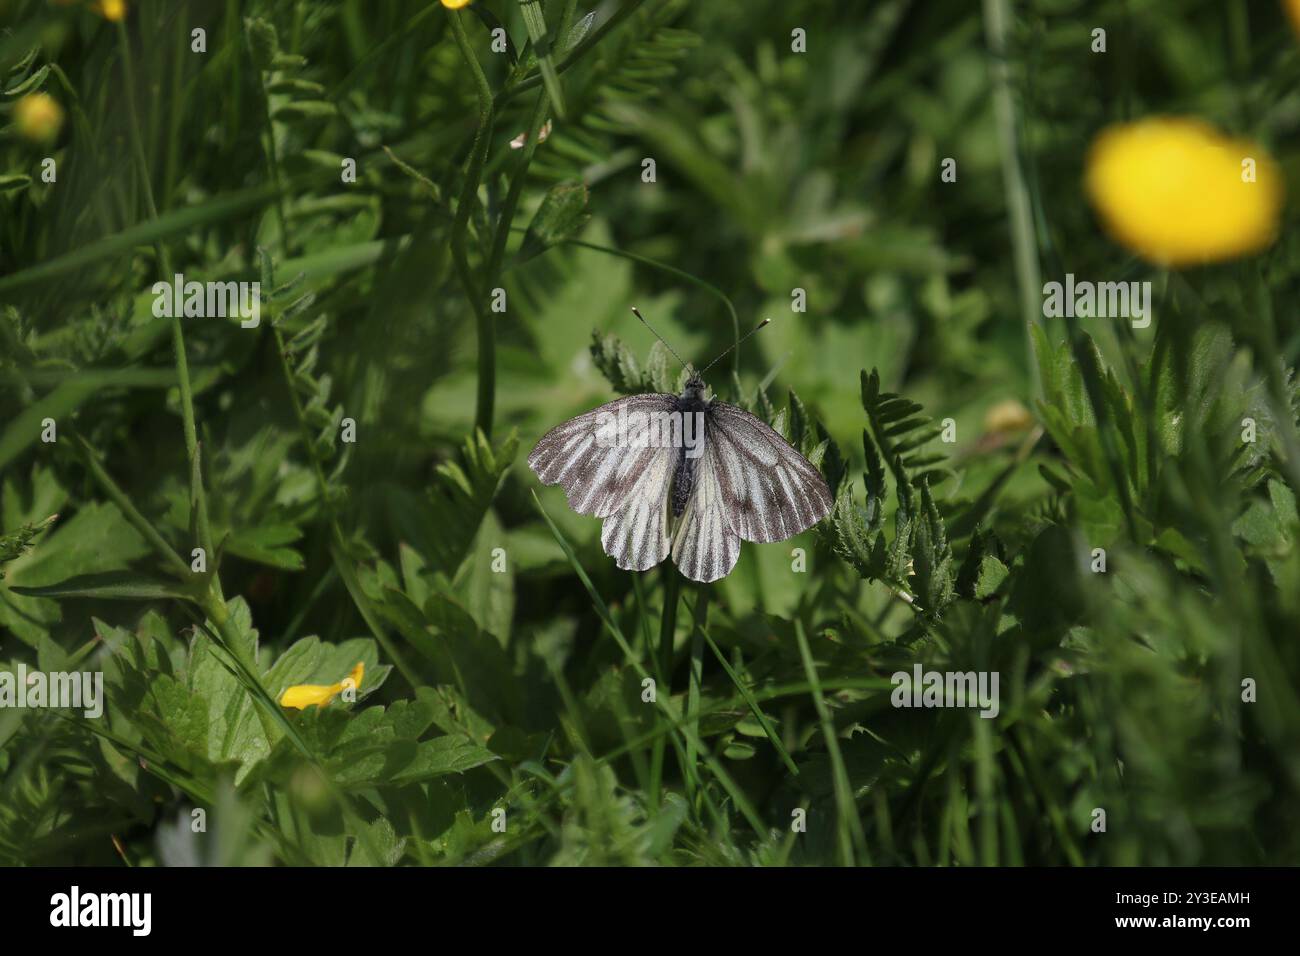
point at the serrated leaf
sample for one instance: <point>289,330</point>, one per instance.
<point>405,762</point>
<point>263,43</point>
<point>992,573</point>
<point>462,492</point>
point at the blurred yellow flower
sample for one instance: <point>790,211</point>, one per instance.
<point>1178,192</point>
<point>301,696</point>
<point>1293,9</point>
<point>1007,416</point>
<point>110,9</point>
<point>38,117</point>
<point>456,4</point>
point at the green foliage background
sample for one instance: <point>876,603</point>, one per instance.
<point>522,691</point>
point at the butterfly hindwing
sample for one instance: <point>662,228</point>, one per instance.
<point>770,491</point>
<point>705,545</point>
<point>638,535</point>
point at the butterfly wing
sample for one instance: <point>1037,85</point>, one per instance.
<point>771,492</point>
<point>749,484</point>
<point>637,536</point>
<point>705,543</point>
<point>626,482</point>
<point>596,471</point>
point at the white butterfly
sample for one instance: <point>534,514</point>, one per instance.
<point>694,493</point>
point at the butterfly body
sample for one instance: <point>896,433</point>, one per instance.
<point>691,402</point>
<point>683,482</point>
<point>684,475</point>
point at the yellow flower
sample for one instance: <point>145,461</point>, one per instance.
<point>1178,192</point>
<point>456,4</point>
<point>302,696</point>
<point>113,10</point>
<point>1007,416</point>
<point>38,117</point>
<point>1293,9</point>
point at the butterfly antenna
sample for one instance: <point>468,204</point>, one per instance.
<point>637,313</point>
<point>732,348</point>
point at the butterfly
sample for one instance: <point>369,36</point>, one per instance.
<point>685,475</point>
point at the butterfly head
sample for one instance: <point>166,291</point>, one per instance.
<point>694,390</point>
<point>695,387</point>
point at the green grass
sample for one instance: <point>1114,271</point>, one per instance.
<point>524,701</point>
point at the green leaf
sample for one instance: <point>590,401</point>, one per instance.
<point>95,540</point>
<point>405,762</point>
<point>110,585</point>
<point>305,109</point>
<point>562,213</point>
<point>900,433</point>
<point>486,581</point>
<point>462,493</point>
<point>577,33</point>
<point>14,544</point>
<point>624,373</point>
<point>267,544</point>
<point>12,182</point>
<point>187,220</point>
<point>932,558</point>
<point>24,428</point>
<point>263,43</point>
<point>32,83</point>
<point>991,575</point>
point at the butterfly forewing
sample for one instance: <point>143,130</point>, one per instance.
<point>770,491</point>
<point>597,471</point>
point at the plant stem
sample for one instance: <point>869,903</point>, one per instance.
<point>533,132</point>
<point>751,701</point>
<point>848,825</point>
<point>576,53</point>
<point>178,336</point>
<point>701,618</point>
<point>997,16</point>
<point>273,162</point>
<point>664,703</point>
<point>664,667</point>
<point>486,325</point>
<point>339,549</point>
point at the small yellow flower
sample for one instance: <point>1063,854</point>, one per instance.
<point>302,696</point>
<point>38,117</point>
<point>1178,192</point>
<point>456,4</point>
<point>1007,416</point>
<point>1293,10</point>
<point>113,10</point>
